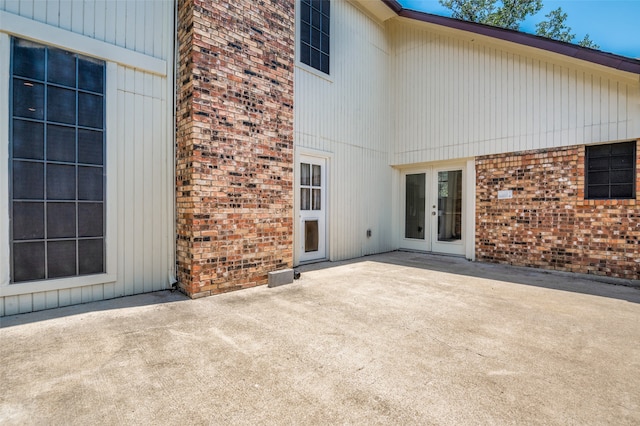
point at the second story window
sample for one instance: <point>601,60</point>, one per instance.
<point>314,34</point>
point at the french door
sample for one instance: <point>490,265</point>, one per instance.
<point>433,211</point>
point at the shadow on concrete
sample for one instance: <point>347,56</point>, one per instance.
<point>146,299</point>
<point>615,288</point>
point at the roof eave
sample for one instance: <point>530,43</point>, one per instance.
<point>606,59</point>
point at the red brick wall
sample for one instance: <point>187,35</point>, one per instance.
<point>234,154</point>
<point>548,223</point>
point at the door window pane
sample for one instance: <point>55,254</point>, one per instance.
<point>316,199</point>
<point>305,174</point>
<point>450,205</point>
<point>311,236</point>
<point>415,192</point>
<point>305,199</point>
<point>317,175</point>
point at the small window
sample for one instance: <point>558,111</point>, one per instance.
<point>57,174</point>
<point>610,171</point>
<point>314,34</point>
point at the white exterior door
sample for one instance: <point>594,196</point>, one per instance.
<point>433,209</point>
<point>312,196</point>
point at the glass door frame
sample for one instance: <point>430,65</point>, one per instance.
<point>455,247</point>
<point>417,244</point>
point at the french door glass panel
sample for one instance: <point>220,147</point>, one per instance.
<point>450,205</point>
<point>415,206</point>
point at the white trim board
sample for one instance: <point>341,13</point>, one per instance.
<point>37,31</point>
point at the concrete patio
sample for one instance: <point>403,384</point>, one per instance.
<point>398,338</point>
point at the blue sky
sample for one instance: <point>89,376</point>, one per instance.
<point>612,24</point>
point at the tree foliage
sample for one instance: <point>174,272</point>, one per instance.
<point>511,13</point>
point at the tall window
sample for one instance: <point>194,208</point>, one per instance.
<point>314,34</point>
<point>610,171</point>
<point>57,163</point>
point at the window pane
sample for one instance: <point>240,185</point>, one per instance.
<point>61,105</point>
<point>28,99</point>
<point>324,43</point>
<point>61,143</point>
<point>61,182</point>
<point>305,33</point>
<point>90,147</point>
<point>305,199</point>
<point>315,39</point>
<point>28,59</point>
<point>28,140</point>
<point>90,185</point>
<point>621,176</point>
<point>326,7</point>
<point>91,256</point>
<point>28,180</point>
<point>305,178</point>
<point>315,58</point>
<point>91,75</point>
<point>90,220</point>
<point>414,206</point>
<point>599,151</point>
<point>311,236</point>
<point>598,191</point>
<point>599,163</point>
<point>305,54</point>
<point>61,67</point>
<point>61,220</point>
<point>622,191</point>
<point>325,24</point>
<point>90,110</point>
<point>305,13</point>
<point>622,161</point>
<point>598,178</point>
<point>623,148</point>
<point>324,63</point>
<point>315,18</point>
<point>317,175</point>
<point>316,199</point>
<point>28,261</point>
<point>61,258</point>
<point>28,221</point>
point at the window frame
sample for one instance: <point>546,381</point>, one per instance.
<point>587,159</point>
<point>49,85</point>
<point>44,34</point>
<point>298,47</point>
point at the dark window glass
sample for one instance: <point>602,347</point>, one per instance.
<point>61,67</point>
<point>28,261</point>
<point>92,259</point>
<point>61,220</point>
<point>28,180</point>
<point>28,59</point>
<point>61,182</point>
<point>90,110</point>
<point>28,222</point>
<point>90,75</point>
<point>90,220</point>
<point>61,143</point>
<point>61,258</point>
<point>52,144</point>
<point>61,105</point>
<point>90,147</point>
<point>28,139</point>
<point>314,34</point>
<point>90,183</point>
<point>610,171</point>
<point>28,99</point>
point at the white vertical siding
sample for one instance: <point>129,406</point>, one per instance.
<point>457,98</point>
<point>347,116</point>
<point>140,157</point>
<point>132,24</point>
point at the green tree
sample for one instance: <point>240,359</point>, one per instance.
<point>511,13</point>
<point>555,27</point>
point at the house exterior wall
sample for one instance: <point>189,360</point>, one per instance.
<point>548,223</point>
<point>461,95</point>
<point>135,40</point>
<point>345,117</point>
<point>234,143</point>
